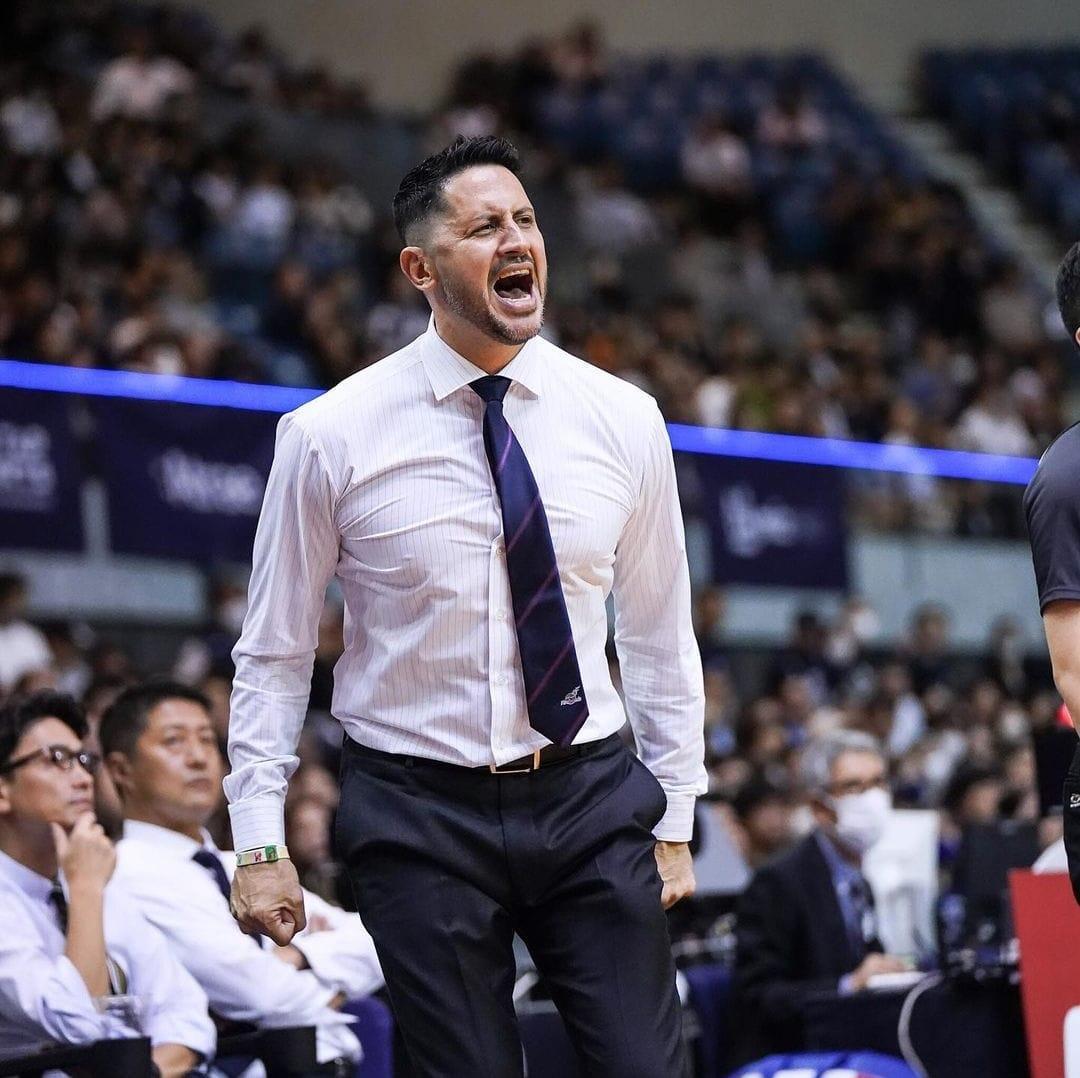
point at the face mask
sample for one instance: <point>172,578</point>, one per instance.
<point>802,821</point>
<point>861,818</point>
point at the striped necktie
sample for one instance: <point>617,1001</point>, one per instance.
<point>549,664</point>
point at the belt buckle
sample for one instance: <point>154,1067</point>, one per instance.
<point>502,769</point>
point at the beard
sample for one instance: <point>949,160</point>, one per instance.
<point>477,313</point>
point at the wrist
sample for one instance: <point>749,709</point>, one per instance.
<point>82,892</point>
<point>262,855</point>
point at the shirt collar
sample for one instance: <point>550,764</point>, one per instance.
<point>162,838</point>
<point>26,879</point>
<point>448,371</point>
<point>839,869</point>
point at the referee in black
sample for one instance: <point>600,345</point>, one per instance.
<point>1052,507</point>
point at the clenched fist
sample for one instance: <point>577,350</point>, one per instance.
<point>266,898</point>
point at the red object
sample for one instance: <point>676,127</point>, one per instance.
<point>1048,923</point>
<point>1064,718</point>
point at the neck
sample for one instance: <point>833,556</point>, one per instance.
<point>144,814</point>
<point>477,347</point>
<point>34,850</point>
<point>828,829</point>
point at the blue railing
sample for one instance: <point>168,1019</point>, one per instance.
<point>754,445</point>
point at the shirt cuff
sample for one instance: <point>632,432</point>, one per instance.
<point>677,823</point>
<point>845,986</point>
<point>258,821</point>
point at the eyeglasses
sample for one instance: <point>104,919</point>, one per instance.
<point>858,786</point>
<point>59,756</point>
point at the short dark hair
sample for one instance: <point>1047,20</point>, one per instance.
<point>754,793</point>
<point>18,715</point>
<point>1067,287</point>
<point>126,717</point>
<point>10,584</point>
<point>420,192</point>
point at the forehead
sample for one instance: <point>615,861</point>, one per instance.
<point>856,765</point>
<point>177,713</point>
<point>47,731</point>
<point>483,190</point>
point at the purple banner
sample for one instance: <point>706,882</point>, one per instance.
<point>184,481</point>
<point>40,477</point>
<point>770,523</point>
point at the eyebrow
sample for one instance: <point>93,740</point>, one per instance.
<point>494,215</point>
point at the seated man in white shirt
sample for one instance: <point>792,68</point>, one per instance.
<point>162,752</point>
<point>78,962</point>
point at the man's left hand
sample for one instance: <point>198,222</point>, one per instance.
<point>676,868</point>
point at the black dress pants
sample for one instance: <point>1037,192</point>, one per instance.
<point>447,863</point>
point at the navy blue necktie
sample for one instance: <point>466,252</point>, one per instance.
<point>212,863</point>
<point>549,665</point>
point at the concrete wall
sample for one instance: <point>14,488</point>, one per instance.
<point>405,49</point>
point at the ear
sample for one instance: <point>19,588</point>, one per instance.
<point>119,768</point>
<point>416,265</point>
<point>5,797</point>
<point>1076,336</point>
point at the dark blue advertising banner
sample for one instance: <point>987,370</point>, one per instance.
<point>184,481</point>
<point>770,523</point>
<point>40,477</point>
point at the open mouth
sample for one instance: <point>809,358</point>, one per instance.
<point>515,286</point>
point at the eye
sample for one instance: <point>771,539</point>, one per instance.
<point>483,228</point>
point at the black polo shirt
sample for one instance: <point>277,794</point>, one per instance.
<point>1052,507</point>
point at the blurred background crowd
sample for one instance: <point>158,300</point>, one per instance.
<point>742,238</point>
<point>774,261</point>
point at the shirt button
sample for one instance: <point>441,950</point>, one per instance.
<point>501,616</point>
<point>500,549</point>
<point>500,680</point>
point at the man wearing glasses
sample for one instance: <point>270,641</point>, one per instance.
<point>78,963</point>
<point>806,922</point>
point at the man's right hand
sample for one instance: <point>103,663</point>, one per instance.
<point>874,964</point>
<point>267,898</point>
<point>86,856</point>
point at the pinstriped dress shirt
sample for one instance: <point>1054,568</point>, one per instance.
<point>383,482</point>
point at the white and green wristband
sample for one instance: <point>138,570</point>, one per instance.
<point>262,855</point>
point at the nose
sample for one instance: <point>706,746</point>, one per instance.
<point>513,241</point>
<point>198,756</point>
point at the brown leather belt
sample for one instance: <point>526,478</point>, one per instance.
<point>549,754</point>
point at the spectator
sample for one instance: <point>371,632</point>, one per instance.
<point>72,936</point>
<point>764,816</point>
<point>162,752</point>
<point>140,84</point>
<point>716,163</point>
<point>23,647</point>
<point>806,922</point>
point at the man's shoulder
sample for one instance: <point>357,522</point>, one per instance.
<point>1056,474</point>
<point>608,387</point>
<point>365,391</point>
<point>793,861</point>
<point>144,869</point>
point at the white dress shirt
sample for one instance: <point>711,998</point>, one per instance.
<point>244,982</point>
<point>43,998</point>
<point>384,482</point>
